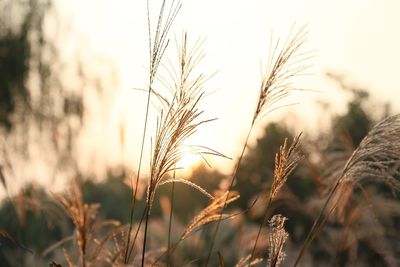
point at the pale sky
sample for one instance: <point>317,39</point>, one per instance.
<point>359,39</point>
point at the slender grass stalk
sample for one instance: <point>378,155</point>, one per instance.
<point>133,195</point>
<point>156,52</point>
<point>145,233</point>
<point>276,84</point>
<point>264,222</point>
<point>169,260</point>
<point>229,190</point>
<point>137,231</point>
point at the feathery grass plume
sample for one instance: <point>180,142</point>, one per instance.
<point>177,122</point>
<point>92,236</point>
<point>82,215</point>
<point>286,160</point>
<point>181,78</point>
<point>276,240</point>
<point>210,214</point>
<point>157,46</point>
<point>376,158</point>
<point>285,63</point>
<point>282,67</point>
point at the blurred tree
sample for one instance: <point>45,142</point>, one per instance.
<point>35,108</point>
<point>29,67</point>
<point>41,115</point>
<point>42,104</point>
<point>113,195</point>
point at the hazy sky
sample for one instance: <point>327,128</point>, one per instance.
<point>359,39</point>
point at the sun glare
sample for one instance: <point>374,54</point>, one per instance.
<point>189,161</point>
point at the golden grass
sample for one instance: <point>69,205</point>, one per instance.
<point>180,116</point>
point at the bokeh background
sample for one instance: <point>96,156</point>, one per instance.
<point>72,105</point>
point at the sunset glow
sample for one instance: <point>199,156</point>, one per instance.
<point>187,132</point>
<point>188,162</point>
<point>236,47</point>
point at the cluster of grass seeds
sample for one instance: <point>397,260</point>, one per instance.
<point>94,246</point>
<point>286,161</point>
<point>83,216</point>
<point>210,214</point>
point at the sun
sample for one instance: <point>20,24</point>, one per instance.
<point>188,161</point>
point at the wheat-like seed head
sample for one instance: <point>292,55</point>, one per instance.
<point>159,43</point>
<point>211,213</point>
<point>286,161</point>
<point>282,67</point>
<point>83,216</point>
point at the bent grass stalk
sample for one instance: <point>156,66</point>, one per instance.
<point>375,158</point>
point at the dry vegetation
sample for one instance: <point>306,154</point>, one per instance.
<point>99,242</point>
